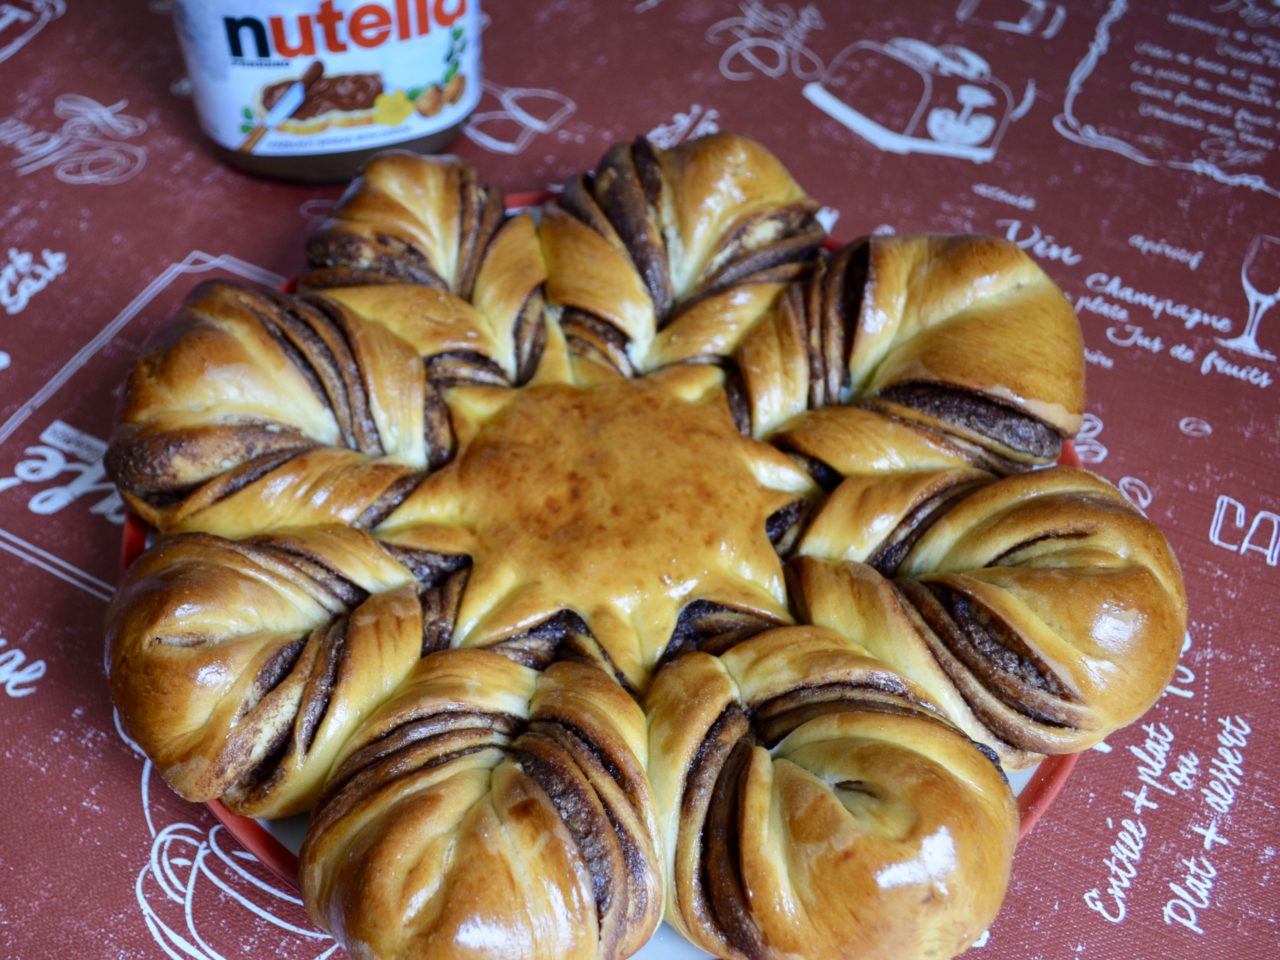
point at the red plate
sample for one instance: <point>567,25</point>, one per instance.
<point>1034,798</point>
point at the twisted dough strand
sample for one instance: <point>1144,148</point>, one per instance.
<point>964,336</point>
<point>813,803</point>
<point>1041,611</point>
<point>249,664</point>
<point>662,256</point>
<point>480,785</point>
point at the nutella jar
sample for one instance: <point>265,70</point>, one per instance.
<point>308,90</point>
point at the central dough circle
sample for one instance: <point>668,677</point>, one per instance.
<point>622,502</point>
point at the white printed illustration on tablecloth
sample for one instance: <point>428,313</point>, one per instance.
<point>316,210</point>
<point>1137,493</point>
<point>1111,297</point>
<point>1195,427</point>
<point>1213,115</point>
<point>1039,18</point>
<point>20,20</point>
<point>1163,248</point>
<point>1260,277</point>
<point>907,96</point>
<point>994,192</point>
<point>1168,778</point>
<point>64,449</point>
<point>86,149</point>
<point>189,867</point>
<point>18,672</point>
<point>697,121</point>
<point>1233,529</point>
<point>827,217</point>
<point>1181,687</point>
<point>1088,447</point>
<point>1043,246</point>
<point>768,41</point>
<point>508,118</point>
<point>1255,13</point>
<point>23,275</point>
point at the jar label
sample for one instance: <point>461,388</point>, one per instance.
<point>299,77</point>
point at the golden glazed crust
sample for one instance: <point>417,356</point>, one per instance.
<point>490,810</point>
<point>561,505</point>
<point>1040,610</point>
<point>439,522</point>
<point>813,804</point>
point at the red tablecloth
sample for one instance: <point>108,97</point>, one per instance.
<point>1131,148</point>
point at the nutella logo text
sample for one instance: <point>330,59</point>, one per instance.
<point>335,31</point>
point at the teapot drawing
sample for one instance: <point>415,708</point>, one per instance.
<point>907,96</point>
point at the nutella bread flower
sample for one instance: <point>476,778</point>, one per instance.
<point>433,528</point>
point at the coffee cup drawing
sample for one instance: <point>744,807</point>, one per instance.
<point>907,96</point>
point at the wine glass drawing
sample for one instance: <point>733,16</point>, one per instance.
<point>1260,277</point>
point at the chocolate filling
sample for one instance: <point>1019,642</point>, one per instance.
<point>427,566</point>
<point>699,794</point>
<point>458,367</point>
<point>578,200</point>
<point>1010,554</point>
<point>596,339</point>
<point>236,479</point>
<point>322,576</point>
<point>995,642</point>
<point>333,323</point>
<point>483,213</point>
<point>823,474</point>
<point>347,254</point>
<point>540,645</point>
<point>387,501</point>
<point>440,611</point>
<point>783,527</point>
<point>416,742</point>
<point>578,807</point>
<point>620,192</point>
<point>271,674</point>
<point>712,628</point>
<point>774,719</point>
<point>973,413</point>
<point>318,693</point>
<point>721,858</point>
<point>888,556</point>
<point>530,335</point>
<point>737,396</point>
<point>146,462</point>
<point>763,242</point>
<point>437,427</point>
<point>989,667</point>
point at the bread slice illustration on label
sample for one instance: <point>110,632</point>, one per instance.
<point>338,100</point>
